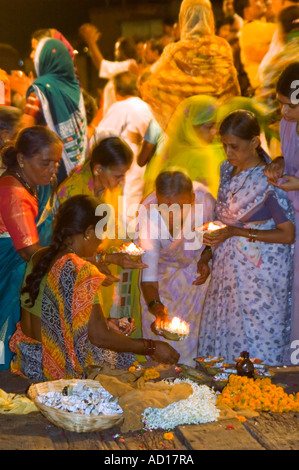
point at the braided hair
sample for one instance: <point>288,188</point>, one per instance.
<point>74,216</point>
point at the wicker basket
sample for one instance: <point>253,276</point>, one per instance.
<point>68,420</point>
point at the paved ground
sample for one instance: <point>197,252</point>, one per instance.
<point>265,431</point>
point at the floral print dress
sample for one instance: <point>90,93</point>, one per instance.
<point>248,303</point>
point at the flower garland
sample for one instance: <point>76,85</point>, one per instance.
<point>200,407</point>
<point>259,395</point>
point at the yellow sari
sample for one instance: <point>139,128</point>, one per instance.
<point>200,63</point>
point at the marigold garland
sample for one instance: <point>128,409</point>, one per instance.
<point>259,395</point>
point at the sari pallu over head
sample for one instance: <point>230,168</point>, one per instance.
<point>61,98</point>
<point>185,149</point>
<point>200,63</point>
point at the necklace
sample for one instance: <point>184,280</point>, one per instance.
<point>30,189</point>
<point>246,178</point>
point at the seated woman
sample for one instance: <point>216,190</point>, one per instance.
<point>248,306</point>
<point>103,176</point>
<point>27,196</point>
<point>191,142</point>
<point>62,329</point>
<point>173,283</point>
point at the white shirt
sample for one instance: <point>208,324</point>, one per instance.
<point>108,70</point>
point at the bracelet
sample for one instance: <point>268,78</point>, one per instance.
<point>253,234</point>
<point>150,347</point>
<point>154,302</point>
<point>101,257</point>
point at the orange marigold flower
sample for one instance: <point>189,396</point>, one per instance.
<point>168,436</point>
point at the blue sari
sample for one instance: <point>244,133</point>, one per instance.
<point>12,270</point>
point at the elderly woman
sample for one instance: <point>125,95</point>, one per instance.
<point>248,300</point>
<point>174,282</point>
<point>199,63</point>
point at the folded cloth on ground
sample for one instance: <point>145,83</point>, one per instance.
<point>10,403</point>
<point>135,397</point>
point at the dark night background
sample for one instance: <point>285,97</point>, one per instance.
<point>20,18</point>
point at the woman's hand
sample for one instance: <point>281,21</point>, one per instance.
<point>287,183</point>
<point>274,170</point>
<point>218,236</point>
<point>122,325</point>
<point>203,269</point>
<point>125,261</point>
<point>165,353</point>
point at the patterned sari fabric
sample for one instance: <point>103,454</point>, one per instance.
<point>290,148</point>
<point>68,298</point>
<point>120,299</point>
<point>24,221</point>
<point>59,93</point>
<point>193,66</point>
<point>248,303</point>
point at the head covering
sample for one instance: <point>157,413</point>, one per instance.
<point>185,149</point>
<point>59,92</point>
<point>196,18</point>
<point>193,111</point>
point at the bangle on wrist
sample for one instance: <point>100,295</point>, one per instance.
<point>149,347</point>
<point>253,234</point>
<point>154,302</point>
<point>101,257</point>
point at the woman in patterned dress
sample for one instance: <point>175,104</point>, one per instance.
<point>248,303</point>
<point>63,330</point>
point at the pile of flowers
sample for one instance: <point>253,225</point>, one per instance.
<point>149,374</point>
<point>199,408</point>
<point>259,395</point>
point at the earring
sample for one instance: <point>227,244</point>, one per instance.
<point>21,165</point>
<point>86,238</point>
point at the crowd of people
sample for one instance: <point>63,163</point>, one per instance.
<point>207,117</point>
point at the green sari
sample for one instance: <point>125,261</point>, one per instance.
<point>185,149</point>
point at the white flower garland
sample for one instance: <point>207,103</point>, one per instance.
<point>199,408</point>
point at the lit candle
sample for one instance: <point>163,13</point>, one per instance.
<point>176,326</point>
<point>210,227</point>
<point>131,249</point>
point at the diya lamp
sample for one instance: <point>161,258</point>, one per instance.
<point>132,250</point>
<point>174,330</point>
<point>210,227</point>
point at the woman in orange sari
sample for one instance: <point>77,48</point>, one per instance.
<point>200,63</point>
<point>27,197</point>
